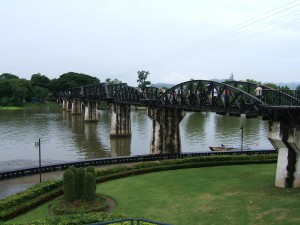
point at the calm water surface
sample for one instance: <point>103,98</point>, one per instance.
<point>65,137</point>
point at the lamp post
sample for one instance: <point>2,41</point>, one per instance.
<point>242,136</point>
<point>38,144</point>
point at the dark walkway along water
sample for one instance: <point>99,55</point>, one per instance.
<point>15,185</point>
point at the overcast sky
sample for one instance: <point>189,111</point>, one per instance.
<point>175,40</point>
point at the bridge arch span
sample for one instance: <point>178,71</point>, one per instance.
<point>129,95</point>
<point>206,95</point>
<point>248,87</point>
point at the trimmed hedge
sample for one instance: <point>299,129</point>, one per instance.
<point>36,195</point>
<point>92,170</point>
<point>69,185</point>
<point>14,205</point>
<point>79,182</point>
<point>89,184</point>
<point>74,219</point>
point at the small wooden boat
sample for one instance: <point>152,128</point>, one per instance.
<point>245,148</point>
<point>222,148</point>
<point>225,148</point>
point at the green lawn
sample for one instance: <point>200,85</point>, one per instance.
<point>213,195</point>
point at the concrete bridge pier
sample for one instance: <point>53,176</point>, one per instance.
<point>165,130</point>
<point>120,120</point>
<point>64,104</point>
<point>76,107</point>
<point>285,137</point>
<point>67,105</point>
<point>90,114</point>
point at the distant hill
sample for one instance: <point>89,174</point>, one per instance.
<point>158,85</point>
<point>291,85</point>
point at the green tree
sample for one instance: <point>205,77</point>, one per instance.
<point>40,80</point>
<point>231,78</point>
<point>142,79</point>
<point>40,93</point>
<point>271,85</point>
<point>114,81</point>
<point>298,88</point>
<point>70,80</point>
<point>253,81</point>
<point>5,92</point>
<point>6,76</point>
<point>21,89</point>
<point>283,87</point>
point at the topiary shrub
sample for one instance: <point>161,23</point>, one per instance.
<point>79,182</point>
<point>69,185</point>
<point>93,171</point>
<point>73,168</point>
<point>89,187</point>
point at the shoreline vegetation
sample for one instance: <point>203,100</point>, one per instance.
<point>29,105</point>
<point>53,105</point>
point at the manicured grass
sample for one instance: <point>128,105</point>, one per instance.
<point>212,195</point>
<point>216,195</point>
<point>36,214</point>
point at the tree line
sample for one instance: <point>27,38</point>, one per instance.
<point>15,90</point>
<point>268,84</point>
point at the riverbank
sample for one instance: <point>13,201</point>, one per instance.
<point>29,105</point>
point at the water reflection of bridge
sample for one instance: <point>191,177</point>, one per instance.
<point>280,108</point>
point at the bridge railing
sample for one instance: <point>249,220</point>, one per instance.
<point>281,98</point>
<point>151,93</point>
<point>120,160</point>
<point>131,221</point>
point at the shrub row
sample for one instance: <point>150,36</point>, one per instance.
<point>16,210</point>
<point>14,205</point>
<point>29,194</point>
<point>74,219</point>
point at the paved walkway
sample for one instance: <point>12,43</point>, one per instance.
<point>15,185</point>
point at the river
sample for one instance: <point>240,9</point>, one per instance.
<point>65,137</point>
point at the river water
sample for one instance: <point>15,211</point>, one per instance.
<point>65,137</point>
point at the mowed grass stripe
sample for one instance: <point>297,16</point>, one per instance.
<point>213,195</point>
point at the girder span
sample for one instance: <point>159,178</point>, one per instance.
<point>205,95</point>
<point>130,95</point>
<point>248,87</point>
<point>94,92</point>
<point>270,97</point>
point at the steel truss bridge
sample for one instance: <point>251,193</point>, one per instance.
<point>166,109</point>
<point>233,98</point>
